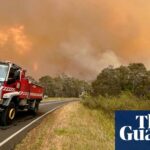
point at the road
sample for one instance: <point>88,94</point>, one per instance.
<point>11,135</point>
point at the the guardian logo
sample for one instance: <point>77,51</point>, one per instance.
<point>132,130</point>
<point>128,133</point>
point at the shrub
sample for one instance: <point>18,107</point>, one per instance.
<point>125,101</point>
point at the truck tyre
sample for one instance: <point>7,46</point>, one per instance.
<point>34,110</point>
<point>8,114</point>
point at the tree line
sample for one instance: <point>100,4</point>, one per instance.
<point>63,86</point>
<point>134,78</point>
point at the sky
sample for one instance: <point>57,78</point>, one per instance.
<point>75,37</point>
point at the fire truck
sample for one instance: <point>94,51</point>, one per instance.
<point>17,92</point>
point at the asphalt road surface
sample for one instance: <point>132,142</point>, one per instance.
<point>13,134</point>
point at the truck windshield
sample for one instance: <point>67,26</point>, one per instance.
<point>3,72</point>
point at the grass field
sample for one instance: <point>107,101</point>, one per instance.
<point>74,127</point>
<point>78,127</point>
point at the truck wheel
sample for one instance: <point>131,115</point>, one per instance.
<point>8,114</point>
<point>35,109</point>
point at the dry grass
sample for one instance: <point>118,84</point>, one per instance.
<point>74,127</point>
<point>125,101</point>
<point>58,99</point>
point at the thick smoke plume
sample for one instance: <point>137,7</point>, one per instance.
<point>78,38</point>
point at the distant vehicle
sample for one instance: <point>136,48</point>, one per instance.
<point>17,92</point>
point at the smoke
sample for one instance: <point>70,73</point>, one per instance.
<point>16,37</point>
<point>78,38</point>
<point>82,63</point>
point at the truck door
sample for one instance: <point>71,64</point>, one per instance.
<point>13,81</point>
<point>24,86</point>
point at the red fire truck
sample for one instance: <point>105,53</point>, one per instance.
<point>16,92</point>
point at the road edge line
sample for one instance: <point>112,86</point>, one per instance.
<point>28,125</point>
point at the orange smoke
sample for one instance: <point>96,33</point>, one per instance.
<point>15,36</point>
<point>3,38</point>
<point>35,66</point>
<point>75,37</point>
<point>21,42</point>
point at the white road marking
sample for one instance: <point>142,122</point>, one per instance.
<point>19,131</point>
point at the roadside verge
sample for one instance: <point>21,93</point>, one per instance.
<point>72,127</point>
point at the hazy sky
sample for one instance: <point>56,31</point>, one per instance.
<point>75,37</point>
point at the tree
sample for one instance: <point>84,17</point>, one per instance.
<point>48,84</point>
<point>107,83</point>
<point>112,81</point>
<point>63,86</point>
